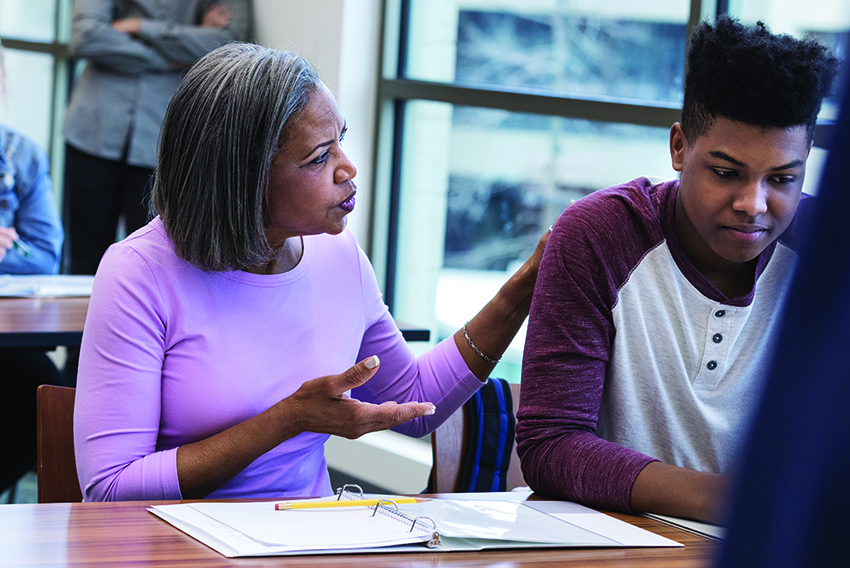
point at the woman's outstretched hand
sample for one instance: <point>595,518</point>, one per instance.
<point>321,405</point>
<point>324,405</point>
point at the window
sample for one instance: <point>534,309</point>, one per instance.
<point>496,114</point>
<point>35,37</point>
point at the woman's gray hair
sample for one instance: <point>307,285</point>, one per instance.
<point>223,128</point>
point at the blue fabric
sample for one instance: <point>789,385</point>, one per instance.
<point>27,204</point>
<point>477,408</point>
<point>491,434</point>
<point>792,501</point>
<point>505,412</point>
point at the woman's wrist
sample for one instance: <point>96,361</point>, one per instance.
<point>475,348</point>
<point>513,300</point>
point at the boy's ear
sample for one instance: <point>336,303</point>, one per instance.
<point>678,146</point>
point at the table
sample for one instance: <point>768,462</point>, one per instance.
<point>122,534</point>
<point>49,322</point>
<point>42,322</point>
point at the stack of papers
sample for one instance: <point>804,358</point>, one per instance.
<point>257,529</point>
<point>43,285</point>
<point>704,529</point>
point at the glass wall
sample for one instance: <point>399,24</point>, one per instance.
<point>503,112</point>
<point>580,48</point>
<point>33,20</point>
<point>35,35</point>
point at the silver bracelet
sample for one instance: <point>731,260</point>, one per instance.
<point>476,349</point>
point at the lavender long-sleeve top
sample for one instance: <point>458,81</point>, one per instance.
<point>633,355</point>
<point>172,354</point>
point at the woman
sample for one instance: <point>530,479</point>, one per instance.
<point>208,327</point>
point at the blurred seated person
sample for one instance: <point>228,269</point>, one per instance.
<point>657,304</point>
<point>230,336</point>
<point>30,243</point>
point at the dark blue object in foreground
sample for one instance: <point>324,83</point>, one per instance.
<point>792,504</point>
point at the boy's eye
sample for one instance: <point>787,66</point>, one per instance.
<point>784,180</point>
<point>725,174</point>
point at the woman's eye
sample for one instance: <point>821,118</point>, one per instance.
<point>323,157</point>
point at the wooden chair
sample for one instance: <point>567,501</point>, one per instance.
<point>57,468</point>
<point>448,445</point>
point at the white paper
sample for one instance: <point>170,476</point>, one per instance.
<point>705,529</point>
<point>45,285</point>
<point>504,521</point>
<point>255,529</point>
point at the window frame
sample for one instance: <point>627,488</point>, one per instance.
<point>394,91</point>
<point>61,86</point>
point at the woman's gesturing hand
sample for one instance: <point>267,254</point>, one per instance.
<point>324,405</point>
<point>321,405</point>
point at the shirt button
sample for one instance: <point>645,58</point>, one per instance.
<point>712,365</point>
<point>719,313</point>
<point>717,338</point>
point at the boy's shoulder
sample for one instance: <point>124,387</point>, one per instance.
<point>635,207</point>
<point>609,231</point>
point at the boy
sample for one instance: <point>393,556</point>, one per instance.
<point>656,304</point>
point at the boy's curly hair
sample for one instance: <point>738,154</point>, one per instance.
<point>751,75</point>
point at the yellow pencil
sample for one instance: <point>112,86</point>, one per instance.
<point>289,505</point>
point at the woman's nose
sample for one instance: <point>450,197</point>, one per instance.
<point>346,169</point>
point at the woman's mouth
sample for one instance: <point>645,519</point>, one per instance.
<point>348,204</point>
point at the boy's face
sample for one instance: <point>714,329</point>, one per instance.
<point>738,191</point>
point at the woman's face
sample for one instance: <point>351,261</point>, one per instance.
<point>310,187</point>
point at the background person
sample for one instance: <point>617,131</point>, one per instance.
<point>30,243</point>
<point>136,52</point>
<point>208,327</point>
<point>658,304</point>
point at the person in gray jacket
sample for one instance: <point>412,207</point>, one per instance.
<point>135,52</point>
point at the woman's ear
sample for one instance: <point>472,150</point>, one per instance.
<point>678,146</point>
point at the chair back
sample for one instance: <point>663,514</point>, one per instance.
<point>449,444</point>
<point>57,467</point>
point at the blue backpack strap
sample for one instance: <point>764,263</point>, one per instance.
<point>491,433</point>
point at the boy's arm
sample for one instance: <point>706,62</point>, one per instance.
<point>679,492</point>
<point>568,347</point>
<point>568,344</point>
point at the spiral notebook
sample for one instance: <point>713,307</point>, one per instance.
<point>259,529</point>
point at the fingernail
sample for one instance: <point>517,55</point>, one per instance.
<point>372,362</point>
<point>433,410</point>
